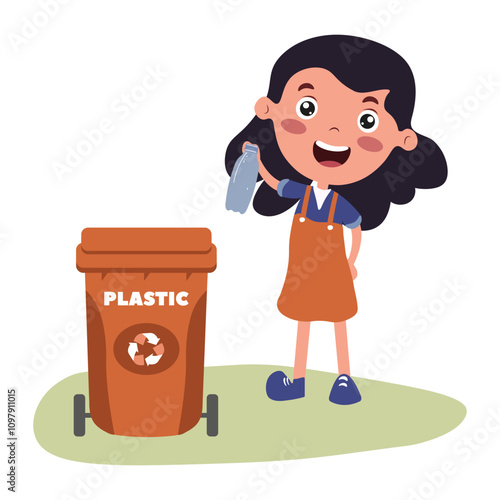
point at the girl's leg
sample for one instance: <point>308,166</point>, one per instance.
<point>342,348</point>
<point>344,390</point>
<point>278,386</point>
<point>299,370</point>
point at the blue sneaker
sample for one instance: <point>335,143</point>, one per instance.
<point>344,391</point>
<point>279,387</point>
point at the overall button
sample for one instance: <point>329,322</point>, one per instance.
<point>302,219</point>
<point>330,227</point>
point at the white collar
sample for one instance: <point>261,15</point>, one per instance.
<point>320,194</point>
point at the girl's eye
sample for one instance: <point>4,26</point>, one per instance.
<point>368,121</point>
<point>307,107</point>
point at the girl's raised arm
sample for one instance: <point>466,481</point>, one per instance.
<point>269,179</point>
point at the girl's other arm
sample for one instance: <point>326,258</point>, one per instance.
<point>269,179</point>
<point>356,244</point>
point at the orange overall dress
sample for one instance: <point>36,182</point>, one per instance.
<point>319,285</point>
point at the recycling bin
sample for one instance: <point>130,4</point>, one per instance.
<point>146,295</point>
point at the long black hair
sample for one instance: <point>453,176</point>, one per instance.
<point>363,66</point>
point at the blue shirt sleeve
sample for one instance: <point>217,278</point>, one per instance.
<point>291,189</point>
<point>350,217</point>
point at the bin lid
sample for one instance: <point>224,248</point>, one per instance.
<point>176,249</point>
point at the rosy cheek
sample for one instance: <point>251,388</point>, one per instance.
<point>370,144</point>
<point>293,126</point>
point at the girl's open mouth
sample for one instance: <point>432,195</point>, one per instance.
<point>329,155</point>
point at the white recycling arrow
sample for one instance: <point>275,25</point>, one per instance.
<point>152,338</point>
<point>132,349</point>
<point>152,359</point>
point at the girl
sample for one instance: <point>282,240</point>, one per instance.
<point>334,134</point>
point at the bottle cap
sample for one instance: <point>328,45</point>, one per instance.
<point>250,148</point>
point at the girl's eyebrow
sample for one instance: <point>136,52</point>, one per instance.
<point>370,99</point>
<point>305,86</point>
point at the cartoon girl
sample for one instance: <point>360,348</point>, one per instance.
<point>335,137</point>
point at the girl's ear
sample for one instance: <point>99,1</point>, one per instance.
<point>263,108</point>
<point>409,139</point>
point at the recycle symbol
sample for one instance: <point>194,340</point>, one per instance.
<point>147,339</point>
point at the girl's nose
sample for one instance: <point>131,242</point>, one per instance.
<point>334,128</point>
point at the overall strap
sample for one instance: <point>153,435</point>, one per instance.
<point>305,201</point>
<point>332,208</point>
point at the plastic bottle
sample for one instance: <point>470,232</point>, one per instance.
<point>243,180</point>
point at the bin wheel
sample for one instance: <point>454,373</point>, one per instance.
<point>79,415</point>
<point>212,415</point>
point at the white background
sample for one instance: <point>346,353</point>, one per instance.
<point>65,79</point>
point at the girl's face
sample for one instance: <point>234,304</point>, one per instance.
<point>330,133</point>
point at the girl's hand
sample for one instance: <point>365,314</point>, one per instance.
<point>262,169</point>
<point>268,178</point>
<point>251,144</point>
<point>354,271</point>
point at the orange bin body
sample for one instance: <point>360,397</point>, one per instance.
<point>146,291</point>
